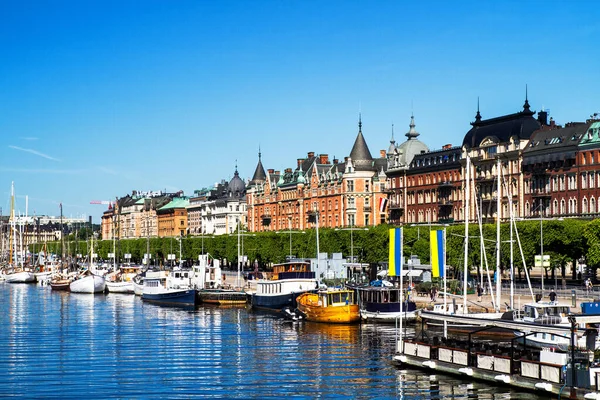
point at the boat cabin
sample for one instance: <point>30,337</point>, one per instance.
<point>294,269</point>
<point>546,313</point>
<point>336,298</point>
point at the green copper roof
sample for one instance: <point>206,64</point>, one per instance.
<point>592,136</point>
<point>177,202</point>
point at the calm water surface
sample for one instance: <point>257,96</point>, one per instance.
<point>67,345</point>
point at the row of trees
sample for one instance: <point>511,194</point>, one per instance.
<point>565,241</point>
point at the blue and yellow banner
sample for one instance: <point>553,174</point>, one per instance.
<point>437,253</point>
<point>395,260</point>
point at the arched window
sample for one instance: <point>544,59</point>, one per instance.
<point>584,209</point>
<point>555,206</point>
<point>592,205</point>
<point>562,206</point>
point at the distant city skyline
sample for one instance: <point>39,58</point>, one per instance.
<point>99,99</point>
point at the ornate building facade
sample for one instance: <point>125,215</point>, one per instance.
<point>344,194</point>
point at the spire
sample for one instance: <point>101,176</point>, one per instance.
<point>392,141</point>
<point>360,154</point>
<point>478,115</point>
<point>526,105</point>
<point>412,133</point>
<point>359,123</point>
<point>259,173</point>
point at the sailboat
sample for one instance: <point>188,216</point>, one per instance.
<point>88,281</point>
<point>16,274</point>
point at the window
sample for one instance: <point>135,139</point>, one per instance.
<point>367,217</point>
<point>367,188</point>
<point>351,186</point>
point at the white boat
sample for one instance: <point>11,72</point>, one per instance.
<point>121,281</point>
<point>20,276</point>
<point>88,283</point>
<point>172,289</point>
<point>138,285</point>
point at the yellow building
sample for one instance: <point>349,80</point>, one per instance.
<point>172,218</point>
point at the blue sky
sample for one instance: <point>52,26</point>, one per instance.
<point>99,98</point>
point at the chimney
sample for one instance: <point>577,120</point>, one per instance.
<point>300,161</point>
<point>345,160</point>
<point>335,160</point>
<point>446,146</point>
<point>311,154</point>
<point>382,153</point>
<point>277,173</point>
<point>543,118</point>
<point>270,171</point>
<point>288,171</point>
<point>552,123</point>
<point>323,159</point>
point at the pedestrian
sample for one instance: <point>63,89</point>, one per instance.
<point>479,293</point>
<point>552,296</point>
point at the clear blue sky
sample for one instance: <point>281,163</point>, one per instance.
<point>99,98</point>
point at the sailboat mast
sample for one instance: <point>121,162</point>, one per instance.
<point>11,222</point>
<point>467,214</point>
<point>498,206</point>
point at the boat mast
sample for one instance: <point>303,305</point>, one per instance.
<point>467,215</point>
<point>12,245</point>
<point>498,205</point>
<point>238,252</point>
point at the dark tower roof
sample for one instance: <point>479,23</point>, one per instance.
<point>520,124</point>
<point>360,154</point>
<point>236,187</point>
<point>259,173</point>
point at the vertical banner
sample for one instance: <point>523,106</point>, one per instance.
<point>395,258</point>
<point>437,253</point>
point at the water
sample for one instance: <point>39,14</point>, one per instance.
<point>66,345</point>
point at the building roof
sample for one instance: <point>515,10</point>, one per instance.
<point>520,124</point>
<point>554,144</point>
<point>360,154</point>
<point>176,202</point>
<point>592,136</point>
<point>236,187</point>
<point>259,174</point>
<point>437,160</point>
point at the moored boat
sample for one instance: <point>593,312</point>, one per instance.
<point>331,305</point>
<point>222,296</point>
<point>61,284</point>
<point>20,275</point>
<point>88,282</point>
<point>289,280</point>
<point>382,304</point>
<point>121,281</point>
<point>161,289</point>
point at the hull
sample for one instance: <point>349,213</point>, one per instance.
<point>274,302</point>
<point>120,287</point>
<point>181,298</point>
<point>389,317</point>
<point>310,306</point>
<point>62,285</point>
<point>20,277</point>
<point>88,284</point>
<point>222,297</point>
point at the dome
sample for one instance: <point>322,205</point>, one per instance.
<point>236,187</point>
<point>412,146</point>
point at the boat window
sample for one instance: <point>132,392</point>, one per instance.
<point>336,298</point>
<point>394,296</point>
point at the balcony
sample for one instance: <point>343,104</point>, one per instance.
<point>266,220</point>
<point>445,203</point>
<point>444,220</point>
<point>367,208</point>
<point>445,184</point>
<point>395,206</point>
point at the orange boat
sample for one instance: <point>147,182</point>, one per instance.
<point>333,305</point>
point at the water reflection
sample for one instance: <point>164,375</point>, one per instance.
<point>65,346</point>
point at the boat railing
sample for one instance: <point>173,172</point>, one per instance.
<point>498,360</point>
